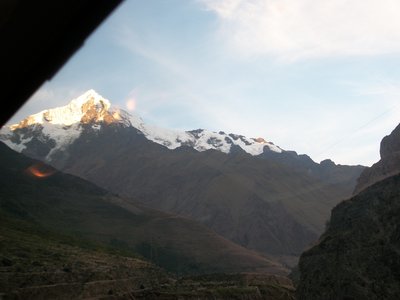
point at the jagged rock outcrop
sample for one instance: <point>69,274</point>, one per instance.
<point>358,257</point>
<point>387,166</point>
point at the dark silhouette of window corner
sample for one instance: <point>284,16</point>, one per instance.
<point>37,38</point>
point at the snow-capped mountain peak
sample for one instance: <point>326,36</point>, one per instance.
<point>60,127</point>
<point>90,95</point>
<point>90,106</point>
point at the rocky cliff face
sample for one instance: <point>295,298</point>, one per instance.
<point>388,165</point>
<point>358,257</point>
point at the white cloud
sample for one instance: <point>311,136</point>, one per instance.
<point>302,29</point>
<point>388,89</point>
<point>137,45</point>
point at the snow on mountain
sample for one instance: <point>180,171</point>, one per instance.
<point>64,124</point>
<point>69,114</point>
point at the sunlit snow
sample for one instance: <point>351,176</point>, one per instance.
<point>63,126</point>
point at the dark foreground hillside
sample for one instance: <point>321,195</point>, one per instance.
<point>358,257</point>
<point>39,264</point>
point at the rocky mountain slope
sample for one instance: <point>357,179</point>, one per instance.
<point>358,257</point>
<point>39,264</point>
<point>248,190</point>
<point>33,192</point>
<point>387,166</point>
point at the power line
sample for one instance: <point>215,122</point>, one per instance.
<point>358,129</point>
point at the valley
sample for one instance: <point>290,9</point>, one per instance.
<point>110,207</point>
<point>250,191</point>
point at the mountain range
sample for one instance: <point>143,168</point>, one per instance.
<point>102,192</point>
<point>247,190</point>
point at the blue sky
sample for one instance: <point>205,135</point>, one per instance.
<point>318,78</point>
